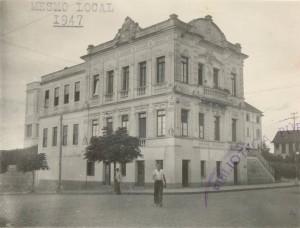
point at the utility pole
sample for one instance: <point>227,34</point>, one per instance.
<point>60,154</point>
<point>294,117</point>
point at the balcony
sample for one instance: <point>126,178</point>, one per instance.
<point>109,97</point>
<point>141,91</point>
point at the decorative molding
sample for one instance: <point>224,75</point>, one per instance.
<point>128,31</point>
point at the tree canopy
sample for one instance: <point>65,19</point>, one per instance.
<point>116,146</point>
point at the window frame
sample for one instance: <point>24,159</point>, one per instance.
<point>45,137</point>
<point>184,69</point>
<point>65,135</point>
<point>66,94</point>
<point>56,96</point>
<point>125,121</point>
<point>200,74</point>
<point>110,82</point>
<point>216,72</point>
<point>47,98</point>
<point>184,125</point>
<point>95,127</point>
<point>75,134</point>
<point>160,69</point>
<point>161,123</point>
<point>217,130</point>
<point>96,82</point>
<point>125,78</point>
<point>54,136</point>
<point>142,74</point>
<point>201,120</point>
<point>77,92</point>
<point>233,84</point>
<point>90,168</point>
<point>28,130</point>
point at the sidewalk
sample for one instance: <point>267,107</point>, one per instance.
<point>167,191</point>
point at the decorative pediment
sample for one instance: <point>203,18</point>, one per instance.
<point>209,30</point>
<point>128,31</point>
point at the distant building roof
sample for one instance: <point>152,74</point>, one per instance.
<point>249,107</point>
<point>287,136</point>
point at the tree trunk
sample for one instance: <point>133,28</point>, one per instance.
<point>33,181</point>
<point>115,186</point>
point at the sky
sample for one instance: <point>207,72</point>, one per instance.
<point>269,32</point>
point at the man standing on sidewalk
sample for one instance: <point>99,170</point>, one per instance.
<point>159,184</point>
<point>118,181</point>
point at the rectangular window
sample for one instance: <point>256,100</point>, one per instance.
<point>110,82</point>
<point>142,81</point>
<point>184,122</point>
<point>161,162</point>
<point>233,84</point>
<point>66,94</point>
<point>276,146</point>
<point>45,137</point>
<point>123,169</point>
<point>217,128</point>
<point>77,91</point>
<point>160,74</point>
<point>283,149</point>
<point>216,77</point>
<point>28,130</point>
<point>75,134</point>
<point>184,69</point>
<point>65,135</point>
<point>161,123</point>
<point>248,117</point>
<point>125,121</point>
<point>96,85</point>
<point>37,130</point>
<point>203,169</point>
<point>90,168</point>
<point>233,129</point>
<point>56,96</point>
<point>201,125</point>
<point>142,125</point>
<point>200,74</point>
<point>125,78</point>
<point>94,128</point>
<point>218,168</point>
<point>248,131</point>
<point>54,136</point>
<point>257,133</point>
<point>47,94</point>
<point>109,124</point>
<point>257,119</point>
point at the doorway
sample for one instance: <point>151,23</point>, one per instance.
<point>185,173</point>
<point>235,169</point>
<point>140,173</point>
<point>106,174</point>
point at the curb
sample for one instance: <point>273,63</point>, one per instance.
<point>149,193</point>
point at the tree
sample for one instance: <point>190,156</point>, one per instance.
<point>113,147</point>
<point>31,163</point>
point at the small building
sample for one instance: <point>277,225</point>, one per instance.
<point>286,142</point>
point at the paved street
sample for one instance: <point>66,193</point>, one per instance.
<point>273,207</point>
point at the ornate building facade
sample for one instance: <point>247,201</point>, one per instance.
<point>177,86</point>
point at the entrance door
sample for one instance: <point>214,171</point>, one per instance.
<point>106,174</point>
<point>235,173</point>
<point>185,173</point>
<point>140,173</point>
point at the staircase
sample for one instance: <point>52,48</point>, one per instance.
<point>259,170</point>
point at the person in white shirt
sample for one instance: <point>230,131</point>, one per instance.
<point>118,181</point>
<point>159,184</point>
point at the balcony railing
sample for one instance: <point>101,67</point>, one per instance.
<point>142,142</point>
<point>215,92</point>
<point>141,91</point>
<point>109,97</point>
<point>124,94</point>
